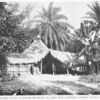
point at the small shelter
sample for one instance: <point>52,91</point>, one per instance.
<point>22,63</point>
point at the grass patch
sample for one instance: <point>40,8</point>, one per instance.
<point>54,90</point>
<point>10,87</point>
<point>78,88</point>
<point>90,78</point>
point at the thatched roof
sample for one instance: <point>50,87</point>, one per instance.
<point>66,57</point>
<point>62,56</point>
<point>36,47</point>
<point>36,51</point>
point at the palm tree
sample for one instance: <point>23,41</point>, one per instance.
<point>94,15</point>
<point>54,31</point>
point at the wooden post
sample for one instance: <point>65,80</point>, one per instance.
<point>53,68</point>
<point>67,71</point>
<point>97,67</point>
<point>41,66</point>
<point>93,65</point>
<point>40,31</point>
<point>18,69</point>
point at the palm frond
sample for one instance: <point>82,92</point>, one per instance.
<point>91,7</point>
<point>56,40</point>
<point>95,12</point>
<point>38,21</point>
<point>50,7</point>
<point>91,14</point>
<point>46,35</point>
<point>55,11</point>
<point>39,15</point>
<point>60,17</point>
<point>44,12</point>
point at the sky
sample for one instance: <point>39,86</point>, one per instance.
<point>74,10</point>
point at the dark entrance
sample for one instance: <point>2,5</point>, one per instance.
<point>49,61</point>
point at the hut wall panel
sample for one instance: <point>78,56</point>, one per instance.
<point>12,68</point>
<point>18,69</point>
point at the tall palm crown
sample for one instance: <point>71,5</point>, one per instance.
<point>94,26</point>
<point>94,14</point>
<point>54,32</point>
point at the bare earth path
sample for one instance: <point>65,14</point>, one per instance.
<point>68,84</point>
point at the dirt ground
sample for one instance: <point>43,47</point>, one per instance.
<point>51,85</point>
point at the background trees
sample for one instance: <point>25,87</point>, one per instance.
<point>13,36</point>
<point>89,35</point>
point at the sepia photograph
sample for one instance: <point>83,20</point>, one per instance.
<point>50,48</point>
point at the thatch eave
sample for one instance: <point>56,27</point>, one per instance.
<point>62,56</point>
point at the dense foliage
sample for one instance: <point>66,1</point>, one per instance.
<point>13,37</point>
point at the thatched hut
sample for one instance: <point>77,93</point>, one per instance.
<point>28,60</point>
<point>39,56</point>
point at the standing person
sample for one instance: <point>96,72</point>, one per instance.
<point>31,69</point>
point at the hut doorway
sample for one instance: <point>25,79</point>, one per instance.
<point>52,66</point>
<point>47,65</point>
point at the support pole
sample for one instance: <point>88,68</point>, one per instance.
<point>41,66</point>
<point>67,71</point>
<point>53,68</point>
<point>18,69</point>
<point>40,30</point>
<point>97,67</point>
